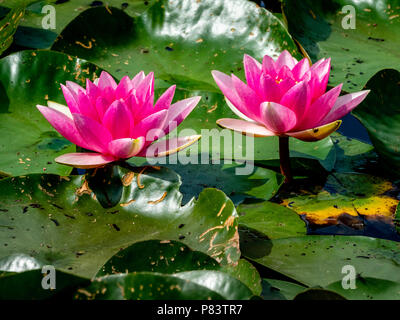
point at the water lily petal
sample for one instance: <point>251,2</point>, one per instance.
<point>297,98</point>
<point>269,66</point>
<point>300,69</point>
<point>165,100</point>
<point>84,160</point>
<point>92,91</point>
<point>85,106</point>
<point>277,117</point>
<point>317,133</point>
<point>285,59</point>
<point>271,90</point>
<point>126,148</point>
<point>285,85</point>
<point>225,84</point>
<point>245,127</point>
<point>102,105</point>
<point>63,125</point>
<point>60,107</point>
<point>253,71</point>
<point>138,79</point>
<point>319,109</point>
<point>164,148</point>
<point>106,81</point>
<point>320,77</point>
<point>285,73</point>
<point>151,127</point>
<point>251,100</point>
<point>124,88</point>
<point>74,87</point>
<point>141,110</point>
<point>146,87</point>
<point>117,120</point>
<point>70,99</point>
<point>344,105</point>
<point>317,64</point>
<point>178,112</point>
<point>96,136</point>
<point>236,111</point>
<point>107,85</point>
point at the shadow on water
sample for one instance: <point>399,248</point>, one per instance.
<point>351,127</point>
<point>369,226</point>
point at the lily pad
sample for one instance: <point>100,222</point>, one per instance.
<point>380,114</point>
<point>59,221</point>
<point>28,285</point>
<point>319,260</point>
<point>280,290</point>
<point>318,294</point>
<point>183,41</point>
<point>353,155</point>
<point>246,273</point>
<point>232,178</point>
<point>31,33</point>
<point>322,28</point>
<point>158,256</point>
<point>145,286</point>
<point>271,219</point>
<point>28,143</point>
<point>368,289</point>
<point>225,285</point>
<point>8,26</point>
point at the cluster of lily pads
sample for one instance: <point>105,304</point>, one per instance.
<point>79,191</point>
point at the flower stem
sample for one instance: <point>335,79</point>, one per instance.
<point>285,159</point>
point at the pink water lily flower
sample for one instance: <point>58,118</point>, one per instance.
<point>285,98</point>
<point>118,121</point>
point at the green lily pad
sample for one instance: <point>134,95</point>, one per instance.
<point>233,179</point>
<point>319,260</point>
<point>271,219</point>
<point>246,273</point>
<point>222,283</point>
<point>170,257</point>
<point>31,33</point>
<point>145,286</point>
<point>158,256</point>
<point>318,294</point>
<point>397,219</point>
<point>368,289</point>
<point>380,114</point>
<point>353,155</point>
<point>280,290</point>
<point>28,143</point>
<point>28,285</point>
<point>8,26</point>
<point>317,25</point>
<point>59,220</point>
<point>14,4</point>
<point>183,41</point>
